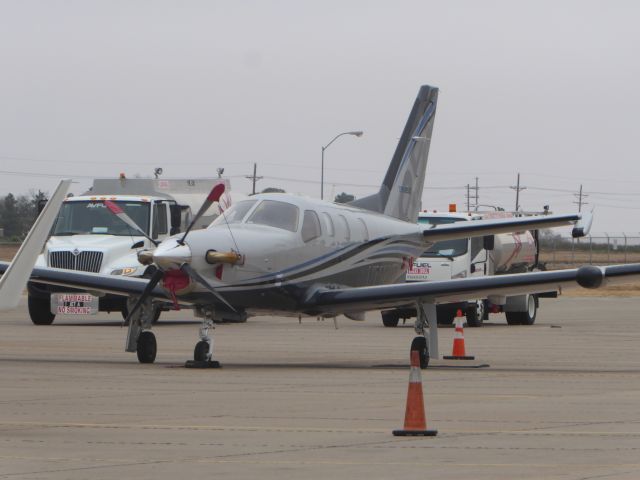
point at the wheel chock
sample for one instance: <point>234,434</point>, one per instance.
<point>202,364</point>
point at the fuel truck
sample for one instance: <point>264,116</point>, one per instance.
<point>470,257</point>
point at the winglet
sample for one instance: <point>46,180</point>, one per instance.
<point>16,276</point>
<point>582,226</point>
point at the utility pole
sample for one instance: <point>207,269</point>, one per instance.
<point>468,198</point>
<point>580,196</point>
<point>518,188</point>
<point>254,178</point>
<point>476,188</point>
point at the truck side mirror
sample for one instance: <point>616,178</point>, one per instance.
<point>176,218</point>
<point>488,242</point>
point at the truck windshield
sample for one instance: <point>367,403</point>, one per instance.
<point>446,248</point>
<point>93,217</point>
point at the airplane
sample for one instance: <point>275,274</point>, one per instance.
<point>287,255</point>
<point>16,274</point>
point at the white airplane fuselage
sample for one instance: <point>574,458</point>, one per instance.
<point>351,248</point>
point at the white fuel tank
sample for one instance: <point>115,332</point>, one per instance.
<point>512,249</point>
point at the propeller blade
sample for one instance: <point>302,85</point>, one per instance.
<point>121,214</point>
<point>188,269</point>
<point>153,281</point>
<point>214,196</point>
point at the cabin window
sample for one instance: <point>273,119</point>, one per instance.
<point>345,227</point>
<point>276,214</point>
<point>329,224</point>
<point>365,231</point>
<point>160,220</point>
<point>310,226</point>
<point>235,213</point>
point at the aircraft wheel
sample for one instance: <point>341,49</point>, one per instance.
<point>390,318</point>
<point>40,311</point>
<point>201,351</point>
<point>419,344</point>
<point>147,347</point>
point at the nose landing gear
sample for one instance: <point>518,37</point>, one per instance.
<point>203,351</point>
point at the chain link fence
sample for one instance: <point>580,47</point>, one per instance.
<point>559,251</point>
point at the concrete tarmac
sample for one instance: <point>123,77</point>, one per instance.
<point>560,400</point>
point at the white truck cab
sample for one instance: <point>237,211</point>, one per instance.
<point>88,237</point>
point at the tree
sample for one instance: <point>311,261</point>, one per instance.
<point>344,198</point>
<point>10,218</point>
<point>272,190</point>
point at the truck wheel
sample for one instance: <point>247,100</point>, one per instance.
<point>390,318</point>
<point>40,311</point>
<point>527,317</point>
<point>475,314</point>
<point>419,344</point>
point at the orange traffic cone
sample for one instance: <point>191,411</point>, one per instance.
<point>458,341</point>
<point>415,421</point>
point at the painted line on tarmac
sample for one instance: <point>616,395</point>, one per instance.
<point>305,429</point>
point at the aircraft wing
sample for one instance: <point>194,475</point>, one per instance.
<point>475,228</point>
<point>379,297</point>
<point>89,282</point>
<point>13,282</point>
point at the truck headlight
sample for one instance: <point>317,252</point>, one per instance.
<point>124,271</point>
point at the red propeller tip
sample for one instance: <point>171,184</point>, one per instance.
<point>216,193</point>
<point>113,208</point>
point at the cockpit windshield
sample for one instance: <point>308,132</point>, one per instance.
<point>235,213</point>
<point>276,214</point>
<point>93,217</point>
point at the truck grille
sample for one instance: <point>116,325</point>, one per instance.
<point>83,261</point>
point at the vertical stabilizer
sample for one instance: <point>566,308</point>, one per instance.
<point>400,195</point>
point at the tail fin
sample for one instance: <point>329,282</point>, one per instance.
<point>401,192</point>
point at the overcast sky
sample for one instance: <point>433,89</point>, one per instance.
<point>547,89</point>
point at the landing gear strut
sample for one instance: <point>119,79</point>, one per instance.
<point>426,343</point>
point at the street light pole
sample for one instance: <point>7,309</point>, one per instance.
<point>357,133</point>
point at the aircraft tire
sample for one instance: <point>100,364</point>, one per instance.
<point>147,347</point>
<point>40,311</point>
<point>390,318</point>
<point>201,351</point>
<point>420,345</point>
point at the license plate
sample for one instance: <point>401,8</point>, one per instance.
<point>74,304</point>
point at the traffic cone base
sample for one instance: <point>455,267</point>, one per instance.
<point>415,421</point>
<point>415,433</point>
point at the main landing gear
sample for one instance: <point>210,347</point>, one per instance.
<point>426,341</point>
<point>140,338</point>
